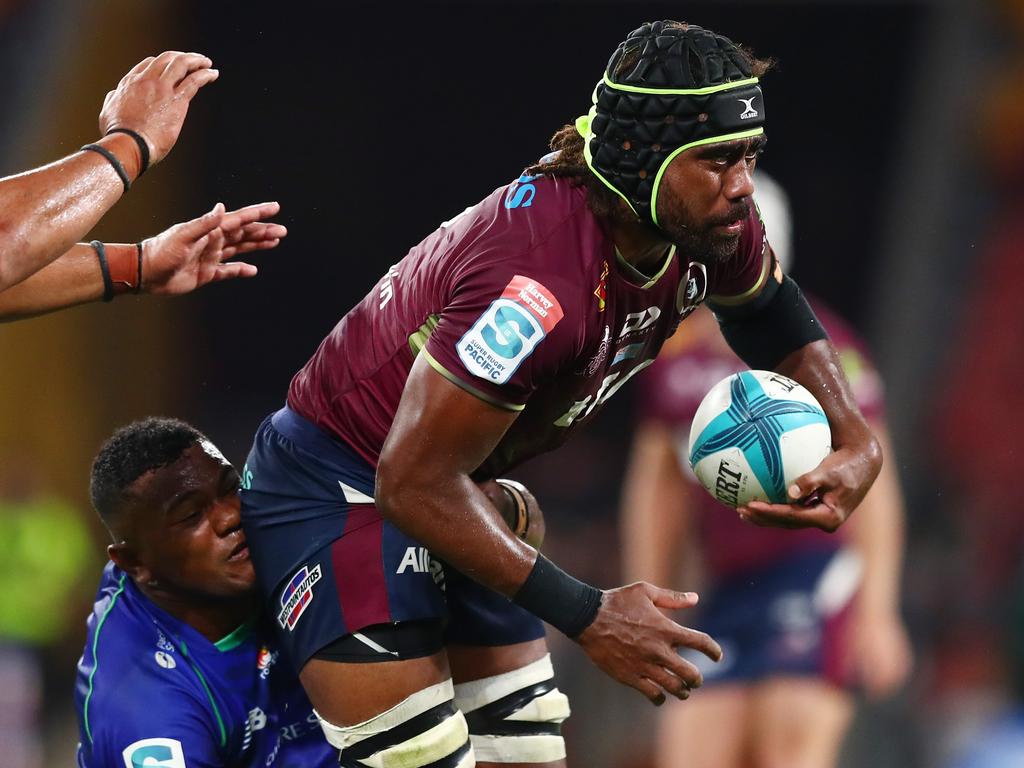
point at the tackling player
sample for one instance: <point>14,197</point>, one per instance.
<point>178,670</point>
<point>495,338</point>
<point>781,603</point>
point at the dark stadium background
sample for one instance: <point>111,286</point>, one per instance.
<point>371,128</point>
<point>894,126</point>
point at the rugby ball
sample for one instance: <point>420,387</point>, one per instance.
<point>754,433</point>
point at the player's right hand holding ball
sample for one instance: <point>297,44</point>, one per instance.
<point>153,98</point>
<point>635,643</point>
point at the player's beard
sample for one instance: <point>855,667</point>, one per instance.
<point>698,240</point>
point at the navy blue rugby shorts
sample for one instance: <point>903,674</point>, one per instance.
<point>329,565</point>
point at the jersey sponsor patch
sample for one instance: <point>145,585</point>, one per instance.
<point>297,596</point>
<point>154,753</point>
<point>509,330</point>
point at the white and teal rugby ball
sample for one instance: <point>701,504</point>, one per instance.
<point>754,433</point>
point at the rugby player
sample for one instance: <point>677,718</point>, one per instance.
<point>497,336</point>
<point>43,212</point>
<point>178,669</point>
<point>179,260</point>
<point>804,618</point>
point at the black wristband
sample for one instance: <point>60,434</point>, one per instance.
<point>551,594</point>
<point>138,279</point>
<point>143,145</point>
<point>108,284</point>
<point>112,159</point>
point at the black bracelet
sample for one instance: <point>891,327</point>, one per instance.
<point>108,284</point>
<point>551,594</point>
<point>112,159</point>
<point>143,145</point>
<point>138,277</point>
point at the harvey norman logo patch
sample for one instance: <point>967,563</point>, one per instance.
<point>509,330</point>
<point>297,596</point>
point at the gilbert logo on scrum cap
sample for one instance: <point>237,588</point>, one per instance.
<point>297,596</point>
<point>509,330</point>
<point>749,112</point>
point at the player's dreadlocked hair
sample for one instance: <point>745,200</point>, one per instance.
<point>566,158</point>
<point>131,452</point>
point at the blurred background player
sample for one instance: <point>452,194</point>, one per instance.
<point>802,616</point>
<point>179,667</point>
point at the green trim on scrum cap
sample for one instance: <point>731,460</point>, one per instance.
<point>583,128</point>
<point>711,140</point>
<point>681,91</point>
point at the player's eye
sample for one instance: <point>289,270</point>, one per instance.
<point>189,517</point>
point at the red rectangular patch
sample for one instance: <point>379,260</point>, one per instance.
<point>535,297</point>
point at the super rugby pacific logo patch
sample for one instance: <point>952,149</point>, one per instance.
<point>297,596</point>
<point>509,330</point>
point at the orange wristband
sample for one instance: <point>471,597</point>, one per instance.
<point>125,263</point>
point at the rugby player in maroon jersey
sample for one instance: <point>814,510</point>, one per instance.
<point>412,610</point>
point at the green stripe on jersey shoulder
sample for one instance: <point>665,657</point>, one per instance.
<point>95,659</point>
<point>747,295</point>
<point>469,388</point>
<point>418,338</point>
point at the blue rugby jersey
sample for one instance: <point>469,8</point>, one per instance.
<point>152,691</point>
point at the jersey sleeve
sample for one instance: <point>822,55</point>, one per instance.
<point>743,277</point>
<point>505,330</point>
<point>146,726</point>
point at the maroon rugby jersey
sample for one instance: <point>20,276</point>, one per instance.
<point>521,301</point>
<point>671,392</point>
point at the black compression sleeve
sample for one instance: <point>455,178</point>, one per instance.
<point>780,325</point>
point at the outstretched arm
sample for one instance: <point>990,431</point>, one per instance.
<point>44,211</point>
<point>178,260</point>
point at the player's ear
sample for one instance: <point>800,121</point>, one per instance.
<point>123,556</point>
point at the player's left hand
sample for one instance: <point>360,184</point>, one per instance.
<point>191,254</point>
<point>824,497</point>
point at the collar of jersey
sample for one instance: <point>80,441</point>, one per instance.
<point>635,276</point>
<point>236,637</point>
